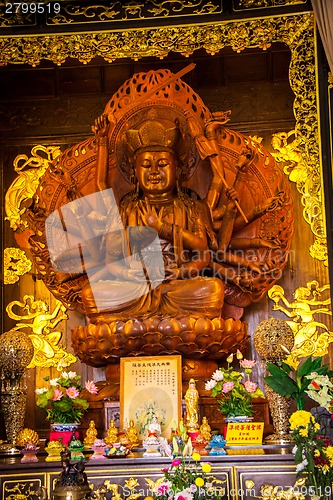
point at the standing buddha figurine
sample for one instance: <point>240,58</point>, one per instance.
<point>112,434</point>
<point>192,407</point>
<point>91,435</point>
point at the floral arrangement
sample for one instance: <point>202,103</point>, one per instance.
<point>235,388</point>
<point>313,454</point>
<point>61,398</point>
<point>186,479</point>
<point>297,381</point>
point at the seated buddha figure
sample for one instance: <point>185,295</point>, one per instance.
<point>159,219</point>
<point>122,236</point>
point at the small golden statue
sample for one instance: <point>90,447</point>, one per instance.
<point>192,403</point>
<point>91,435</point>
<point>205,429</point>
<point>132,433</point>
<point>112,434</point>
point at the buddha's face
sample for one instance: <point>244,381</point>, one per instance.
<point>156,172</point>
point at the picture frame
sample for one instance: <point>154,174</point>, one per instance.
<point>151,385</point>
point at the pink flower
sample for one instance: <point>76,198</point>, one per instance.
<point>72,392</point>
<point>250,386</point>
<point>163,489</point>
<point>227,387</point>
<point>175,462</point>
<point>247,363</point>
<point>91,387</point>
<point>57,395</point>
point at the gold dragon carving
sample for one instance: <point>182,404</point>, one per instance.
<point>41,322</point>
<point>311,337</point>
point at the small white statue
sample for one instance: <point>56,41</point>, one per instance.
<point>153,441</point>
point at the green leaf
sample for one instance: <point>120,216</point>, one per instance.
<point>276,370</point>
<point>284,386</point>
<point>81,402</point>
<point>63,405</point>
<point>305,368</point>
<point>286,368</point>
<point>317,363</point>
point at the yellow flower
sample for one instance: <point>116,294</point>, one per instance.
<point>300,418</point>
<point>199,482</point>
<point>316,453</point>
<point>329,454</point>
<point>303,432</point>
<point>196,456</point>
<point>206,467</point>
<point>316,426</point>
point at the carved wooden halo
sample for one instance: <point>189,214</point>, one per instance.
<point>128,108</point>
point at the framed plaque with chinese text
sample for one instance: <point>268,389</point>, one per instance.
<point>150,386</point>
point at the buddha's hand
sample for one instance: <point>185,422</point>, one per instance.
<point>172,272</point>
<point>101,126</point>
<point>232,196</point>
<point>150,217</point>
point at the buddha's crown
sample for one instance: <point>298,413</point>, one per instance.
<point>153,135</point>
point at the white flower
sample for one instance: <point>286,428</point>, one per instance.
<point>322,380</point>
<point>62,364</point>
<point>218,375</point>
<point>210,384</point>
<point>54,382</point>
<point>71,375</point>
<point>41,391</point>
<point>187,495</point>
<point>295,448</point>
<point>301,465</point>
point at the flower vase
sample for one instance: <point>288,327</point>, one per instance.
<point>65,432</point>
<point>239,418</point>
<point>280,412</point>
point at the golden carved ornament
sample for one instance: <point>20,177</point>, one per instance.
<point>127,491</point>
<point>270,492</point>
<point>21,490</point>
<point>20,193</point>
<point>308,183</point>
<point>27,436</point>
<point>330,80</point>
<point>41,322</point>
<point>16,264</point>
<point>272,338</point>
<point>158,42</point>
<point>311,337</point>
